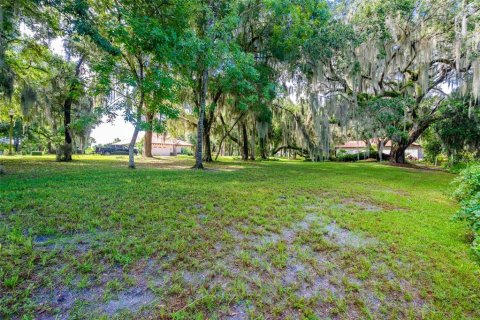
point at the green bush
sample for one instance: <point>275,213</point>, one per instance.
<point>468,182</point>
<point>352,157</point>
<point>187,151</point>
<point>36,153</point>
<point>468,193</point>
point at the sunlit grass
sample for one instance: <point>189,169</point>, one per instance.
<point>240,238</point>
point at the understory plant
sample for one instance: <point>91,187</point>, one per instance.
<point>468,193</point>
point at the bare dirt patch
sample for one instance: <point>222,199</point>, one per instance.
<point>318,276</point>
<point>308,263</point>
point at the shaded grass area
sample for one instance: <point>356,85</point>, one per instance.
<point>263,240</point>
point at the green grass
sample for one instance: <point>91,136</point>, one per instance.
<point>261,240</point>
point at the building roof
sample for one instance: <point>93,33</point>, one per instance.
<point>353,144</point>
<point>162,139</point>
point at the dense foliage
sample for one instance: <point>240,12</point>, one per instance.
<point>244,77</point>
<point>468,192</point>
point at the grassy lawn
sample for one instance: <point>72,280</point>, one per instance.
<point>257,240</point>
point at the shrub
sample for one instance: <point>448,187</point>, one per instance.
<point>187,151</point>
<point>468,182</point>
<point>352,157</point>
<point>37,153</point>
<point>468,193</point>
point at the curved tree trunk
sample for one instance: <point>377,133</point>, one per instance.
<point>313,149</point>
<point>397,155</point>
<point>301,151</point>
<point>133,141</point>
<point>227,133</point>
<point>131,148</point>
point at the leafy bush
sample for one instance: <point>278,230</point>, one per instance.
<point>468,193</point>
<point>432,146</point>
<point>455,167</point>
<point>187,151</point>
<point>468,183</point>
<point>442,160</point>
<point>352,157</point>
<point>37,153</point>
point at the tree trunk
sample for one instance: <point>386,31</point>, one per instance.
<point>263,151</point>
<point>207,157</point>
<point>367,150</point>
<point>397,155</point>
<point>201,116</point>
<point>245,142</point>
<point>147,143</point>
<point>64,153</point>
<point>16,143</point>
<point>133,141</point>
<point>380,149</point>
<point>252,143</point>
<point>131,148</point>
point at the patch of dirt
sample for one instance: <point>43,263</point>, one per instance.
<point>238,312</point>
<point>131,300</point>
<point>79,243</point>
<point>366,205</point>
<point>260,264</point>
<point>320,275</point>
<point>346,238</point>
<point>59,301</point>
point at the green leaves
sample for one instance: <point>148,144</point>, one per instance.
<point>468,192</point>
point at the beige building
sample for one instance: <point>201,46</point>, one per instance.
<point>162,145</point>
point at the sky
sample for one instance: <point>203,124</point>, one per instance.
<point>106,132</point>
